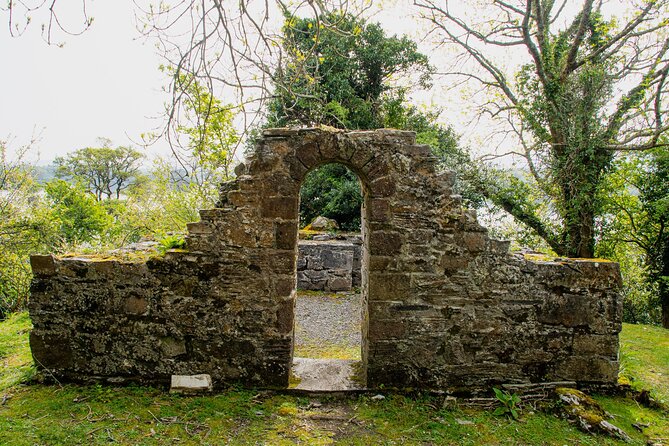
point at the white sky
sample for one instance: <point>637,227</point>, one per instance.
<point>104,83</point>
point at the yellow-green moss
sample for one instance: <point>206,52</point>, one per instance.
<point>128,257</point>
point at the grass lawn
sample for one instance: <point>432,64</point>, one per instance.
<point>35,414</point>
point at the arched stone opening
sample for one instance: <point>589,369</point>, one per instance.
<point>330,300</point>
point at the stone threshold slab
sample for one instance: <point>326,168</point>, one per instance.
<point>325,375</point>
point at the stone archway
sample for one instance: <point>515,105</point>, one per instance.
<point>448,308</point>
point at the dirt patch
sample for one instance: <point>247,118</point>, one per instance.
<point>327,325</point>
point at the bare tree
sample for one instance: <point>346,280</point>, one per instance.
<point>589,87</point>
<point>233,49</point>
<point>22,13</point>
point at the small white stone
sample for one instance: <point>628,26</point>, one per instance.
<point>190,383</point>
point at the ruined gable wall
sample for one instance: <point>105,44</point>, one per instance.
<point>443,305</point>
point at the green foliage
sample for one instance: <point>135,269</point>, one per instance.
<point>25,228</point>
<point>78,215</point>
<point>644,353</point>
<point>635,232</point>
<point>170,241</point>
<point>15,354</point>
<point>339,70</point>
<point>589,90</point>
<point>104,171</point>
<point>332,191</point>
<point>563,114</point>
<point>162,206</point>
<point>508,403</point>
<point>209,129</point>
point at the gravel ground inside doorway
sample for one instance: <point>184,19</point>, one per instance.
<point>327,325</point>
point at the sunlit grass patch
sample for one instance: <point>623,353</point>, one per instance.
<point>327,351</point>
<point>16,363</point>
<point>644,359</point>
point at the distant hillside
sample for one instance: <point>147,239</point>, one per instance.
<point>44,173</point>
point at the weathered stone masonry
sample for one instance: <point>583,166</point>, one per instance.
<point>329,265</point>
<point>444,306</point>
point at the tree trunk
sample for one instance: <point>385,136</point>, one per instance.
<point>579,218</point>
<point>581,231</point>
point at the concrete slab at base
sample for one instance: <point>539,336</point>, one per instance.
<point>325,374</point>
<point>190,384</point>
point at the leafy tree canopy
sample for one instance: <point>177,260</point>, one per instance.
<point>80,217</point>
<point>104,171</point>
<point>338,70</point>
<point>636,221</point>
<point>208,152</point>
<point>591,87</point>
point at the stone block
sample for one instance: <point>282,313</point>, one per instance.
<point>389,286</point>
<point>376,170</point>
<point>135,305</point>
<point>378,209</point>
<point>284,286</point>
<point>308,154</point>
<point>190,384</point>
<point>592,369</point>
<point>285,316</point>
<point>339,283</point>
<point>454,262</point>
<point>383,187</point>
<point>51,350</point>
<point>172,347</point>
<point>43,265</point>
<point>199,228</point>
<point>589,344</point>
<point>382,243</point>
<point>362,156</point>
<point>382,330</point>
<point>296,169</point>
<point>569,310</point>
<point>280,207</point>
<point>285,234</point>
<point>474,242</point>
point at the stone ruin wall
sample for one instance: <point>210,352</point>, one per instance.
<point>444,306</point>
<point>329,265</point>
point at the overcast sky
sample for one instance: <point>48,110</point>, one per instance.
<point>105,83</point>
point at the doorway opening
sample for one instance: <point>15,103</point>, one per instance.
<point>329,309</point>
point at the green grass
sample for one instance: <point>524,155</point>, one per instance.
<point>16,363</point>
<point>70,415</point>
<point>645,359</point>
